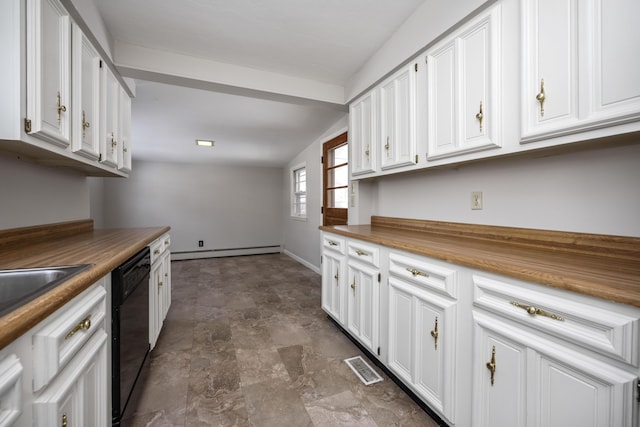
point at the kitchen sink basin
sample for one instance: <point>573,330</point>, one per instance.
<point>17,287</point>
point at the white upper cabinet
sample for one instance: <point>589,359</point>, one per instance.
<point>48,72</point>
<point>86,96</point>
<point>462,89</point>
<point>580,70</point>
<point>363,134</point>
<point>398,119</point>
<point>124,126</point>
<point>110,118</point>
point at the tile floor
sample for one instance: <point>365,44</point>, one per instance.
<point>246,343</point>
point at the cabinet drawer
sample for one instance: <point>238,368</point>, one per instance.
<point>607,328</point>
<point>166,241</point>
<point>333,242</point>
<point>156,248</point>
<point>425,273</point>
<point>57,342</point>
<point>365,253</point>
<point>10,390</point>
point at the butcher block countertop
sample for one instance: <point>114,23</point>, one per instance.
<point>602,266</point>
<point>68,243</point>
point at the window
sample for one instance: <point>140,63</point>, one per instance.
<point>299,191</point>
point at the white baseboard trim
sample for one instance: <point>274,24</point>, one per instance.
<point>303,262</point>
<point>219,253</point>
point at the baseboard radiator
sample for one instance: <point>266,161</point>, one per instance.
<point>217,253</point>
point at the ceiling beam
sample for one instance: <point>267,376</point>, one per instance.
<point>136,62</point>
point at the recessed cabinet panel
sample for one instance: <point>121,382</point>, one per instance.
<point>362,311</point>
<point>500,369</point>
<point>397,119</point>
<point>332,284</point>
<point>110,119</point>
<point>363,134</point>
<point>124,126</point>
<point>462,89</point>
<point>442,90</point>
<point>617,86</point>
<point>551,70</point>
<point>86,96</point>
<point>49,71</point>
<point>400,330</point>
<point>576,76</point>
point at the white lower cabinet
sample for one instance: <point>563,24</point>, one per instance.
<point>481,349</point>
<point>422,340</point>
<point>78,396</point>
<point>159,286</point>
<point>333,273</point>
<point>57,374</point>
<point>363,294</point>
<point>524,379</point>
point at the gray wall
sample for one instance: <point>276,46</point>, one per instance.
<point>595,191</point>
<point>301,239</point>
<point>32,194</point>
<point>226,206</point>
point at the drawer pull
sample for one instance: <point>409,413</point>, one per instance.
<point>156,252</point>
<point>491,366</point>
<point>332,243</point>
<point>361,253</point>
<point>534,310</point>
<point>166,242</point>
<point>353,286</point>
<point>64,420</point>
<point>84,324</point>
<point>417,272</point>
<point>337,277</point>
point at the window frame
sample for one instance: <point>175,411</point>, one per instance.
<point>294,194</point>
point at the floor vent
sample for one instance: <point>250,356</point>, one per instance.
<point>362,369</point>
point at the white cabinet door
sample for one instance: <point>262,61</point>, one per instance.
<point>550,86</point>
<point>363,300</point>
<point>398,119</point>
<point>332,285</point>
<point>48,72</point>
<point>499,376</point>
<point>462,89</point>
<point>422,336</point>
<point>401,320</point>
<point>435,338</point>
<point>576,73</point>
<point>155,302</point>
<point>363,134</point>
<point>529,380</point>
<point>110,118</point>
<point>78,397</point>
<point>124,127</point>
<point>86,96</point>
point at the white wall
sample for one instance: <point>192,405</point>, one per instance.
<point>32,194</point>
<point>429,21</point>
<point>595,191</point>
<point>301,239</point>
<point>226,206</point>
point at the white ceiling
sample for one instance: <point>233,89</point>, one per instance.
<point>318,40</point>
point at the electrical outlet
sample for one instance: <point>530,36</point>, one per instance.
<point>200,243</point>
<point>476,200</point>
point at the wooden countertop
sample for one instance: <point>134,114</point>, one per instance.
<point>61,244</point>
<point>602,266</point>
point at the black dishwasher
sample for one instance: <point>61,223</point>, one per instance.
<point>130,329</point>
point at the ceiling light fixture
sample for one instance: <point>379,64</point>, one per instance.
<point>204,143</point>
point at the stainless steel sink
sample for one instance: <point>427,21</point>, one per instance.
<point>17,287</point>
